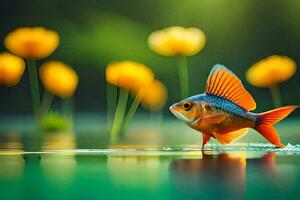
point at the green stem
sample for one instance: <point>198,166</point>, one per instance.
<point>67,106</point>
<point>183,76</point>
<point>46,103</point>
<point>34,87</point>
<point>275,92</point>
<point>119,114</point>
<point>133,107</point>
<point>111,95</point>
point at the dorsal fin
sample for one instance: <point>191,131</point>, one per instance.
<point>224,83</point>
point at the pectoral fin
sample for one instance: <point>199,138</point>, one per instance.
<point>213,119</point>
<point>231,137</point>
<point>205,139</point>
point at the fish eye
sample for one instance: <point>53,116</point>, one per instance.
<point>187,105</point>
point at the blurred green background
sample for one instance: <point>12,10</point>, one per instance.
<point>96,32</point>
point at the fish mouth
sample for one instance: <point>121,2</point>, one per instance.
<point>178,114</point>
<point>173,109</point>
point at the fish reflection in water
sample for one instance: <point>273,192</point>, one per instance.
<point>219,176</point>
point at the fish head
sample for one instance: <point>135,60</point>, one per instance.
<point>188,110</point>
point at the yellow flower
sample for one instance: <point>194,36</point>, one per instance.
<point>32,43</point>
<point>58,78</point>
<point>11,69</point>
<point>271,71</point>
<point>129,75</point>
<point>153,96</point>
<point>177,41</point>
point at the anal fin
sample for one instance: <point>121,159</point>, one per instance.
<point>231,137</point>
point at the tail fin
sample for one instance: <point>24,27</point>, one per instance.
<point>266,120</point>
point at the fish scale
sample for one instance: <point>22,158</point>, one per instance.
<point>226,106</point>
<point>236,114</point>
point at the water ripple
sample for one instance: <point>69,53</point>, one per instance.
<point>177,150</point>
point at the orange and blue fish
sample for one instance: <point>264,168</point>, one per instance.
<point>223,110</point>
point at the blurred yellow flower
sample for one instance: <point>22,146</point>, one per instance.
<point>11,69</point>
<point>32,42</point>
<point>271,71</point>
<point>129,75</point>
<point>153,96</point>
<point>58,78</point>
<point>177,41</point>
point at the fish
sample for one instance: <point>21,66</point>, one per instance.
<point>223,112</point>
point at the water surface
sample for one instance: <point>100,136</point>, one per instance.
<point>61,171</point>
